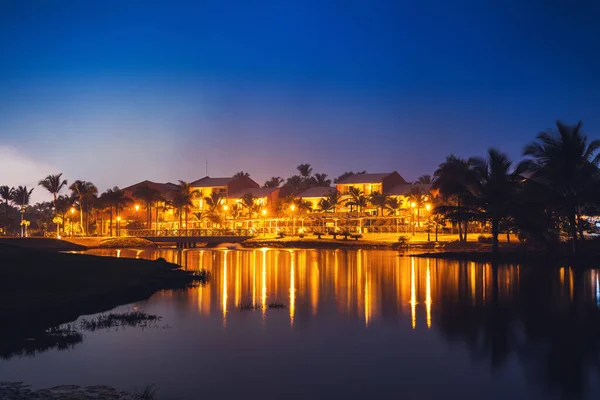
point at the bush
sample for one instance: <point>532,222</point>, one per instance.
<point>485,239</point>
<point>281,234</point>
<point>403,241</point>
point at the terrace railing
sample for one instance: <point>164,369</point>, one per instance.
<point>188,232</point>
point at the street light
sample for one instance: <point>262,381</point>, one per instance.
<point>118,226</point>
<point>264,214</point>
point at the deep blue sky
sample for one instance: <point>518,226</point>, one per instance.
<point>116,92</point>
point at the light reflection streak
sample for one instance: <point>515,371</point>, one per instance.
<point>428,295</point>
<point>224,304</point>
<point>413,294</point>
<point>264,283</point>
<point>292,289</point>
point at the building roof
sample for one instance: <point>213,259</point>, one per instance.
<point>255,192</point>
<point>207,181</point>
<point>161,187</point>
<point>317,191</point>
<point>364,178</point>
<point>406,189</point>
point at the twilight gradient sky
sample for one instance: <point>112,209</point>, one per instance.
<point>119,91</point>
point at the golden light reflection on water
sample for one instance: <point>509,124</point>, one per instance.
<point>369,286</point>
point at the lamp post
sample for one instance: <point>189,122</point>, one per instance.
<point>293,207</point>
<point>72,212</point>
<point>428,208</point>
<point>118,226</point>
<point>264,214</point>
<point>412,217</point>
<point>137,215</point>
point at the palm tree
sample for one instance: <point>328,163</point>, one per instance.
<point>148,195</point>
<point>213,203</point>
<point>241,174</point>
<point>295,184</point>
<point>493,187</point>
<point>393,205</point>
<point>21,197</point>
<point>116,198</point>
<point>356,199</point>
<point>424,179</point>
<point>83,190</point>
<point>248,201</point>
<point>325,205</point>
<point>274,182</point>
<point>452,178</point>
<point>182,200</point>
<point>417,199</point>
<point>235,210</point>
<point>321,180</point>
<point>53,184</point>
<point>378,200</point>
<point>62,205</point>
<point>565,163</point>
<point>334,198</point>
<point>6,194</point>
<point>305,172</point>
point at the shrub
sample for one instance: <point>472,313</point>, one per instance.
<point>484,239</point>
<point>403,241</point>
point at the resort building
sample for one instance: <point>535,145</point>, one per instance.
<point>314,195</point>
<point>223,187</point>
<point>369,183</point>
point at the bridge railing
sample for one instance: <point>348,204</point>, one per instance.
<point>189,232</point>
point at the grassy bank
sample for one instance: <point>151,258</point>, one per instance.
<point>40,289</point>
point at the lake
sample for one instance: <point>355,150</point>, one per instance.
<point>350,324</point>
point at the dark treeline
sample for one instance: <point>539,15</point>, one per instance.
<point>542,197</point>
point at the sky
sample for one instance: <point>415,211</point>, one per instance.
<point>115,92</point>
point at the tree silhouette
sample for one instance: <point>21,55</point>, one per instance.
<point>53,184</point>
<point>565,163</point>
<point>21,197</point>
<point>83,190</point>
<point>493,186</point>
<point>274,182</point>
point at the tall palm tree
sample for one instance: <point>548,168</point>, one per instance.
<point>493,187</point>
<point>182,200</point>
<point>117,199</point>
<point>378,200</point>
<point>53,184</point>
<point>213,203</point>
<point>305,171</point>
<point>274,182</point>
<point>241,174</point>
<point>424,179</point>
<point>321,180</point>
<point>248,201</point>
<point>83,190</point>
<point>295,184</point>
<point>452,179</point>
<point>334,198</point>
<point>21,197</point>
<point>6,193</point>
<point>356,198</point>
<point>564,162</point>
<point>62,205</point>
<point>148,195</point>
<point>393,205</point>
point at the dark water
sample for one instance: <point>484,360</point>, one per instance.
<point>356,324</point>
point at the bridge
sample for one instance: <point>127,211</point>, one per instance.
<point>192,237</point>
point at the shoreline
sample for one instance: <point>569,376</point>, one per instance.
<point>40,290</point>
